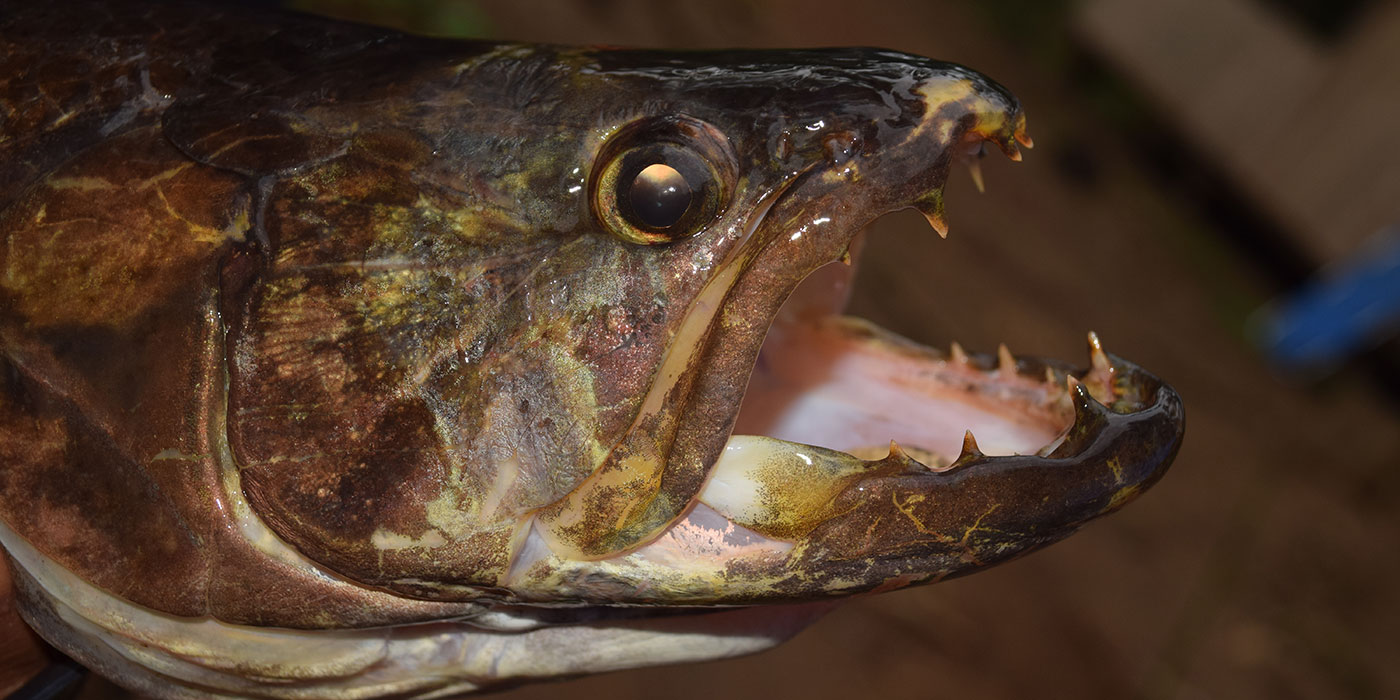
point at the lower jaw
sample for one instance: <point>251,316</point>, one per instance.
<point>833,382</point>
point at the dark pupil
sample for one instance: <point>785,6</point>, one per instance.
<point>659,195</point>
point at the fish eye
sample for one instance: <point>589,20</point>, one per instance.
<point>659,196</point>
<point>662,180</point>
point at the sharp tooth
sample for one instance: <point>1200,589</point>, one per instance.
<point>1101,368</point>
<point>931,206</point>
<point>1021,136</point>
<point>1006,364</point>
<point>1097,357</point>
<point>1090,417</point>
<point>939,225</point>
<point>1050,376</point>
<point>957,353</point>
<point>970,451</point>
<point>897,452</point>
<point>1008,147</point>
<point>969,446</point>
<point>1085,405</point>
<point>975,168</point>
<point>1071,384</point>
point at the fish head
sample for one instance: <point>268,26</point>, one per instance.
<point>790,155</point>
<point>512,301</point>
<point>737,185</point>
<point>530,355</point>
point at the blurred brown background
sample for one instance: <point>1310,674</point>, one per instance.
<point>1194,159</point>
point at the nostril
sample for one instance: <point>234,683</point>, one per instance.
<point>840,146</point>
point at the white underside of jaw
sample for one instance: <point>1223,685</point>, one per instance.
<point>166,656</point>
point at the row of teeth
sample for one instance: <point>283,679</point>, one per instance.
<point>1077,391</point>
<point>1101,370</point>
<point>931,204</point>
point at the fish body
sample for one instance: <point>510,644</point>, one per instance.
<point>382,362</point>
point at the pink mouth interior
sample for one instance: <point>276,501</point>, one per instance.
<point>825,381</point>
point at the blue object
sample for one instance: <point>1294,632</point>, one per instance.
<point>1346,310</point>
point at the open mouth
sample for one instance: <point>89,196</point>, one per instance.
<point>861,461</point>
<point>856,460</point>
<point>842,383</point>
<point>848,386</point>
